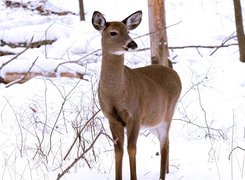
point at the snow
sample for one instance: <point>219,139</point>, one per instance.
<point>40,119</point>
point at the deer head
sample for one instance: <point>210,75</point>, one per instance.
<point>115,34</point>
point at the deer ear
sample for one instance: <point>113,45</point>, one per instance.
<point>133,20</point>
<point>98,21</point>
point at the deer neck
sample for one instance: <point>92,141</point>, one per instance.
<point>112,73</point>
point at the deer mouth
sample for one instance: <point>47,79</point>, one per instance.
<point>122,51</point>
<point>129,49</point>
<point>125,48</point>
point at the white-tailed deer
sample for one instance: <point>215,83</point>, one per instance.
<point>134,98</point>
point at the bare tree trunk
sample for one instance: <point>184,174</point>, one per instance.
<point>81,7</point>
<point>239,29</point>
<point>158,33</point>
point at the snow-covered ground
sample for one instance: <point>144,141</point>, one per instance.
<point>40,119</point>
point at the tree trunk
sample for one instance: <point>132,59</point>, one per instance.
<point>239,29</point>
<point>81,8</point>
<point>158,33</point>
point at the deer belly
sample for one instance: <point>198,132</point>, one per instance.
<point>160,131</point>
<point>150,122</point>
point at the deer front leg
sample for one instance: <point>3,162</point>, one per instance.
<point>132,133</point>
<point>118,137</point>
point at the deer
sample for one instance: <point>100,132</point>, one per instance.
<point>132,99</point>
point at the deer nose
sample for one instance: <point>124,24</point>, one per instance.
<point>131,45</point>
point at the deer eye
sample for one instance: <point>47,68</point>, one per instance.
<point>113,33</point>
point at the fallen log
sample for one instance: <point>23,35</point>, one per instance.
<point>39,7</point>
<point>4,53</point>
<point>11,78</point>
<point>36,44</point>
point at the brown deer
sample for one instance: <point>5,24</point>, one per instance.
<point>134,98</point>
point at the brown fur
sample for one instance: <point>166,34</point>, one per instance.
<point>134,98</point>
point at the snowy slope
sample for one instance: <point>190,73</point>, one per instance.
<point>40,119</point>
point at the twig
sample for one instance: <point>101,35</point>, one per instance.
<point>195,47</point>
<point>46,32</point>
<point>22,78</point>
<point>208,129</point>
<point>220,131</point>
<point>223,44</point>
<point>59,113</point>
<point>13,58</point>
<point>79,157</point>
<point>149,33</point>
<point>79,133</point>
<point>193,86</point>
<point>19,126</point>
<point>203,46</point>
<point>238,147</point>
<point>232,143</point>
<point>76,61</point>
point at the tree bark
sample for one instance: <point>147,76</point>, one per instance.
<point>158,33</point>
<point>81,8</point>
<point>239,29</point>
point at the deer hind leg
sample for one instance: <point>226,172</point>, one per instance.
<point>132,134</point>
<point>161,133</point>
<point>164,159</point>
<point>118,137</point>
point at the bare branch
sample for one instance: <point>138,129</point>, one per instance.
<point>238,147</point>
<point>79,133</point>
<point>223,44</point>
<point>195,47</point>
<point>78,60</point>
<point>219,131</point>
<point>24,77</point>
<point>79,157</point>
<point>15,57</point>
<point>65,97</point>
